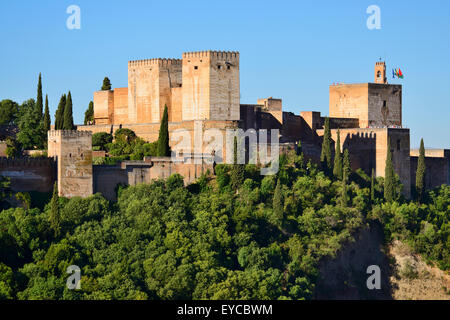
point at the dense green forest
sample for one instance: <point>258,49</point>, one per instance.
<point>235,235</point>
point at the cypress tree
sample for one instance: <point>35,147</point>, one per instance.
<point>344,197</point>
<point>39,102</point>
<point>420,173</point>
<point>237,171</point>
<point>55,217</point>
<point>346,171</point>
<point>106,84</point>
<point>389,177</point>
<point>163,139</point>
<point>47,120</point>
<point>89,114</point>
<point>325,156</point>
<point>277,204</point>
<point>372,186</point>
<point>60,113</point>
<point>337,170</point>
<point>68,116</point>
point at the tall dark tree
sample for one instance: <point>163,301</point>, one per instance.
<point>277,204</point>
<point>344,193</point>
<point>420,173</point>
<point>347,169</point>
<point>389,177</point>
<point>325,156</point>
<point>30,126</point>
<point>68,115</point>
<point>237,173</point>
<point>89,114</point>
<point>9,111</point>
<point>106,84</point>
<point>372,187</point>
<point>39,101</point>
<point>59,114</point>
<point>163,149</point>
<point>47,120</point>
<point>337,169</point>
<point>55,216</point>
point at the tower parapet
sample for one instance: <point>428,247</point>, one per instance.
<point>156,61</point>
<point>231,55</point>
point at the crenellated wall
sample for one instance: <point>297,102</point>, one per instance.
<point>29,174</point>
<point>368,150</point>
<point>437,162</point>
<point>107,178</point>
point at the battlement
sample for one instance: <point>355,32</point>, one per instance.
<point>230,55</point>
<point>156,61</point>
<point>68,133</point>
<point>380,63</point>
<point>25,162</point>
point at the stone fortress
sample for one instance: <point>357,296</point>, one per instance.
<point>202,89</point>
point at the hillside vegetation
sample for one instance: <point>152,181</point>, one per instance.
<point>237,235</point>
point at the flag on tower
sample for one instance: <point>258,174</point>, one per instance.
<point>397,73</point>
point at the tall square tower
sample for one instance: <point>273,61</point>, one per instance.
<point>374,104</point>
<point>210,88</point>
<point>72,150</point>
<point>150,84</point>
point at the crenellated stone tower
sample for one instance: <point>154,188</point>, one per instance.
<point>201,86</point>
<point>152,84</point>
<point>211,85</point>
<point>73,152</point>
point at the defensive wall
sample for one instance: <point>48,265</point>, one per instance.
<point>437,163</point>
<point>368,150</point>
<point>29,174</point>
<point>108,178</point>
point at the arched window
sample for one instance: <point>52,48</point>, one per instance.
<point>379,74</point>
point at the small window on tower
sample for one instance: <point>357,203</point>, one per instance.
<point>195,67</point>
<point>398,144</point>
<point>228,67</point>
<point>384,103</point>
<point>219,66</point>
<point>379,74</point>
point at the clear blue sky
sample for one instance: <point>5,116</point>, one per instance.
<point>289,49</point>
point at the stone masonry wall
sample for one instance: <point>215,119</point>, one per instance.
<point>73,152</point>
<point>29,174</point>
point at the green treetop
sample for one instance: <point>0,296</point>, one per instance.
<point>89,114</point>
<point>68,115</point>
<point>238,170</point>
<point>106,84</point>
<point>47,120</point>
<point>39,102</point>
<point>163,149</point>
<point>346,171</point>
<point>55,216</point>
<point>420,173</point>
<point>59,114</point>
<point>325,156</point>
<point>337,170</point>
